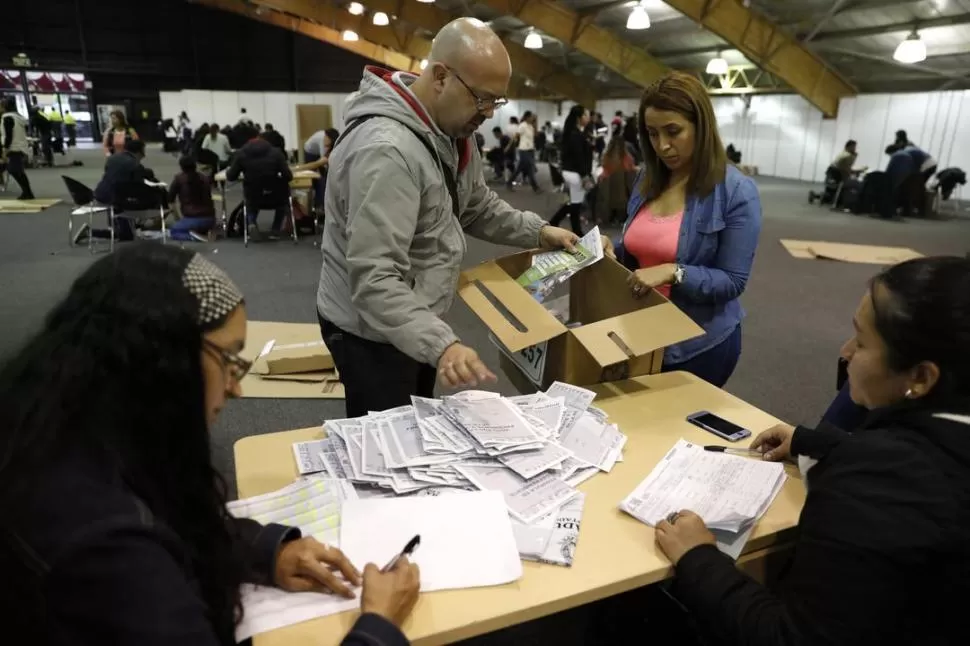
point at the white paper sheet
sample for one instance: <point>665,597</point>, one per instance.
<point>730,493</point>
<point>527,500</point>
<point>268,608</point>
<point>531,463</point>
<point>574,396</point>
<point>466,539</point>
<point>307,455</point>
<point>313,504</point>
<point>560,546</point>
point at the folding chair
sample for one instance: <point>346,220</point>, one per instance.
<point>271,197</point>
<point>136,215</point>
<point>83,198</point>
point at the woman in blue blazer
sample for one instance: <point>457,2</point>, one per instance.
<point>692,224</point>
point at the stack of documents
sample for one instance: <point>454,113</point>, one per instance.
<point>314,505</point>
<point>730,493</point>
<point>533,449</point>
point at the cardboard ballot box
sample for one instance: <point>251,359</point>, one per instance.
<point>611,334</point>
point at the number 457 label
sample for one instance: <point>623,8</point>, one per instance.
<point>531,360</point>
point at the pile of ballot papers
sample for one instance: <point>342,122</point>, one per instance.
<point>729,492</point>
<point>534,449</point>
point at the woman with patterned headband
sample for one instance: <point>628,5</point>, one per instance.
<point>113,524</point>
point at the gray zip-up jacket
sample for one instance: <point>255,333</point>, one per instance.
<point>392,247</point>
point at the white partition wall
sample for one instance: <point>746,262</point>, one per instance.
<point>781,134</point>
<point>787,137</point>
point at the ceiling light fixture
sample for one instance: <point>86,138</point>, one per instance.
<point>424,63</point>
<point>717,66</point>
<point>349,35</point>
<point>380,19</point>
<point>638,18</point>
<point>427,1</point>
<point>355,8</point>
<point>533,41</point>
<point>912,50</point>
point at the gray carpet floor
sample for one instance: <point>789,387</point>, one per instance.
<point>799,311</point>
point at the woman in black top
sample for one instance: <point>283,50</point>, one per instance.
<point>113,524</point>
<point>883,549</point>
<point>577,167</point>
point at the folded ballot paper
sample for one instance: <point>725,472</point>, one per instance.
<point>533,449</point>
<point>314,505</point>
<point>729,492</point>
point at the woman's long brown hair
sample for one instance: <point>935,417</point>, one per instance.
<point>682,93</point>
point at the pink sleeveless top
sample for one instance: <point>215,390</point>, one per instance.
<point>653,240</point>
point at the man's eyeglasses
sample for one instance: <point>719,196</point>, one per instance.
<point>237,366</point>
<point>481,104</point>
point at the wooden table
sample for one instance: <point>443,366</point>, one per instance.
<point>615,552</point>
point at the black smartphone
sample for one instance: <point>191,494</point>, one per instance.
<point>718,425</point>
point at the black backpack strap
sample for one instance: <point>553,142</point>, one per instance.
<point>450,182</point>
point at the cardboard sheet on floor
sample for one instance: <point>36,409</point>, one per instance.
<point>844,252</point>
<point>298,367</point>
<point>26,206</point>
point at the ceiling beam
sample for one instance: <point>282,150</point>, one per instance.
<point>836,7</point>
<point>579,32</point>
<point>544,72</point>
<point>597,9</point>
<point>893,28</point>
<point>771,48</point>
<point>837,34</point>
<point>888,60</point>
<point>332,35</point>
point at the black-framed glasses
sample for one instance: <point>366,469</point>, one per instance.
<point>237,366</point>
<point>481,104</point>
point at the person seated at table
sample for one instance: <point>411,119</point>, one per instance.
<point>266,179</point>
<point>218,143</point>
<point>274,138</point>
<point>692,226</point>
<point>194,194</point>
<point>115,529</point>
<point>123,187</point>
<point>882,552</point>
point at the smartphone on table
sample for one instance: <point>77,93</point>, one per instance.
<point>718,426</point>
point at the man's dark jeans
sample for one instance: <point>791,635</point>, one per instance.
<point>376,376</point>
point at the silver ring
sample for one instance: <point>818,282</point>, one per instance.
<point>672,517</point>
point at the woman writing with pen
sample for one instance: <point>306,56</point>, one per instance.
<point>113,521</point>
<point>883,548</point>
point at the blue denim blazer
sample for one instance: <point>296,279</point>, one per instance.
<point>718,238</point>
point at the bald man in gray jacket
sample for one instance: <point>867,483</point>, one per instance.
<point>405,185</point>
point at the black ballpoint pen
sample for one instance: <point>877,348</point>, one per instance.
<point>407,551</point>
<point>730,449</point>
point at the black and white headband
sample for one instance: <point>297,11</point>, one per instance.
<point>215,291</point>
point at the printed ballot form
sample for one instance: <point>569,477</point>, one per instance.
<point>314,505</point>
<point>730,493</point>
<point>466,538</point>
